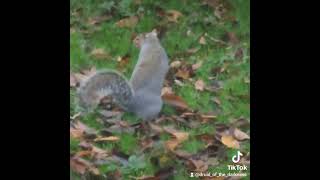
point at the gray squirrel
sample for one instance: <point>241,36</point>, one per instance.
<point>142,94</point>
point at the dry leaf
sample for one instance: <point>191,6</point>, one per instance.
<point>230,142</point>
<point>239,135</point>
<point>199,85</point>
<point>73,80</point>
<point>183,73</point>
<point>109,138</point>
<point>98,20</point>
<point>216,100</point>
<point>196,66</point>
<point>128,22</point>
<point>198,165</point>
<point>202,40</point>
<point>193,50</point>
<point>180,136</point>
<point>80,166</point>
<point>173,15</point>
<point>175,64</point>
<point>182,154</point>
<point>179,83</point>
<point>99,53</point>
<point>166,90</point>
<point>233,39</point>
<point>156,128</point>
<point>175,101</point>
<point>172,144</point>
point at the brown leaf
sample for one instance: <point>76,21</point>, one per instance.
<point>199,85</point>
<point>109,138</point>
<point>166,90</point>
<point>239,135</point>
<point>128,22</point>
<point>232,37</point>
<point>100,54</point>
<point>73,80</point>
<point>173,15</point>
<point>77,165</point>
<point>230,142</point>
<point>239,53</point>
<point>123,61</point>
<point>83,153</point>
<point>171,144</point>
<point>202,40</point>
<point>217,101</point>
<point>80,166</point>
<point>196,66</point>
<point>156,128</point>
<point>183,73</point>
<point>207,138</point>
<point>175,101</point>
<point>78,130</point>
<point>192,50</point>
<point>180,136</point>
<point>99,19</point>
<point>182,154</point>
<point>175,64</point>
<point>198,165</point>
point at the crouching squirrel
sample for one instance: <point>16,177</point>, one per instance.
<point>142,94</point>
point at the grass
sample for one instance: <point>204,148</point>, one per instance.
<point>234,96</point>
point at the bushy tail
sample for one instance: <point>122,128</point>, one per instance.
<point>105,83</point>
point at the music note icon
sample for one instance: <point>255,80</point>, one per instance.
<point>236,158</point>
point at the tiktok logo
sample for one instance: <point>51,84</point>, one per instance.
<point>236,158</point>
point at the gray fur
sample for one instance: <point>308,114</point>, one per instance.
<point>142,95</point>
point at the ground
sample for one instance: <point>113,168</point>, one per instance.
<point>211,34</point>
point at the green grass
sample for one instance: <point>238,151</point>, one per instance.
<point>234,95</point>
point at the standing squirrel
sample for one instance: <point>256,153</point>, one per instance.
<point>142,94</point>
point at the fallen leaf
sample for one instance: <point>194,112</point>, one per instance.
<point>99,19</point>
<point>217,101</point>
<point>80,166</point>
<point>128,22</point>
<point>166,90</point>
<point>239,135</point>
<point>232,37</point>
<point>100,54</point>
<point>173,15</point>
<point>230,142</point>
<point>73,80</point>
<point>180,136</point>
<point>123,61</point>
<point>199,85</point>
<point>183,73</point>
<point>109,138</point>
<point>202,40</point>
<point>192,50</point>
<point>172,144</point>
<point>175,64</point>
<point>239,53</point>
<point>182,154</point>
<point>175,101</point>
<point>83,153</point>
<point>156,128</point>
<point>196,66</point>
<point>179,83</point>
<point>198,165</point>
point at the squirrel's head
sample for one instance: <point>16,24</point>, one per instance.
<point>146,38</point>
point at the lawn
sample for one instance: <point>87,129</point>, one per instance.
<point>207,41</point>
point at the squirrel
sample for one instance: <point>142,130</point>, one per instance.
<point>142,93</point>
